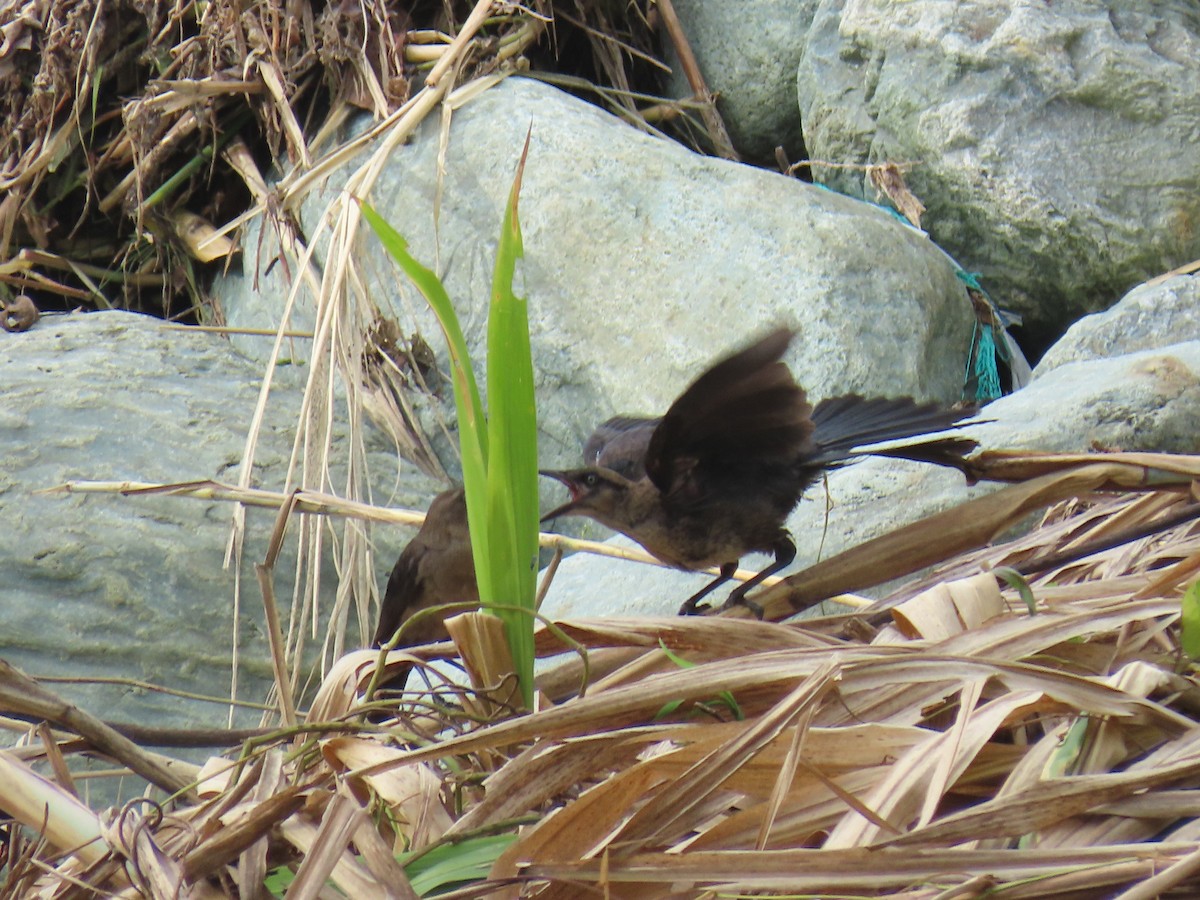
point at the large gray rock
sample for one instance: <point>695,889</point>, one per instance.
<point>1141,401</point>
<point>748,53</point>
<point>644,262</point>
<point>1049,139</point>
<point>1151,315</point>
<point>99,585</point>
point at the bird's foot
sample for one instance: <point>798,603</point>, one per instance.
<point>739,599</point>
<point>693,608</point>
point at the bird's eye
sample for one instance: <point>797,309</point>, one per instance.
<point>591,479</point>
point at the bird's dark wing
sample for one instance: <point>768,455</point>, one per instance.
<point>401,598</point>
<point>435,568</point>
<point>744,413</point>
<point>620,445</point>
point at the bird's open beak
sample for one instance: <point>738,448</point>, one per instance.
<point>567,507</point>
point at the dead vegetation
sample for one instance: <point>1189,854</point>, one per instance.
<point>943,742</point>
<point>968,746</point>
<point>137,137</point>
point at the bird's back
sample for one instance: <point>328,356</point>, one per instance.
<point>435,568</point>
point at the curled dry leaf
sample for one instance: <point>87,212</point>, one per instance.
<point>18,314</point>
<point>411,793</point>
<point>201,239</point>
<point>888,179</point>
<point>950,608</point>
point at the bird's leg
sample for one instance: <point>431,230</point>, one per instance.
<point>785,552</point>
<point>690,607</point>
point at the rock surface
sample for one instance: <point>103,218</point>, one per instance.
<point>105,585</point>
<point>1150,316</point>
<point>644,262</point>
<point>1047,137</point>
<point>748,53</point>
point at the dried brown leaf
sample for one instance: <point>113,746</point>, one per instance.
<point>888,179</point>
<point>412,792</point>
<point>950,608</point>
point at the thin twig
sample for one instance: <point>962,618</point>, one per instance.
<point>695,78</point>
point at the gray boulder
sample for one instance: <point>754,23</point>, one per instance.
<point>643,263</point>
<point>748,53</point>
<point>100,585</point>
<point>1049,139</point>
<point>1152,315</point>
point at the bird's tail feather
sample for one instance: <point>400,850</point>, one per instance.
<point>951,452</point>
<point>843,425</point>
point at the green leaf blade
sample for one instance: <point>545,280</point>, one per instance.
<point>512,437</point>
<point>1190,625</point>
<point>472,425</point>
<point>499,451</point>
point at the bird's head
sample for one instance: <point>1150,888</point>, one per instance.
<point>597,493</point>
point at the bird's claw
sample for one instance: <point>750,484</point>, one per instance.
<point>736,599</point>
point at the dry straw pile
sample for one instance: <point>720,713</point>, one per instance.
<point>137,137</point>
<point>958,746</point>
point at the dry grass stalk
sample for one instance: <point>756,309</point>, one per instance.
<point>325,504</point>
<point>973,744</point>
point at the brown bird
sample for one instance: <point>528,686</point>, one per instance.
<point>716,477</point>
<point>619,445</point>
<point>435,568</point>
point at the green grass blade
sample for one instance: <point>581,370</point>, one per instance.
<point>1018,583</point>
<point>1190,625</point>
<point>512,437</point>
<point>431,871</point>
<point>472,427</point>
<point>455,865</point>
<point>499,452</point>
